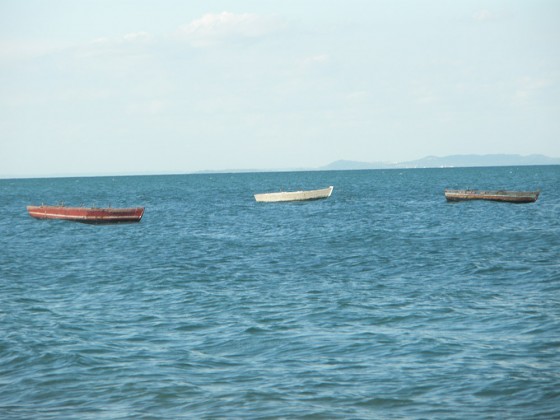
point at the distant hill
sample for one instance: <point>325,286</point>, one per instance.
<point>453,161</point>
<point>448,162</point>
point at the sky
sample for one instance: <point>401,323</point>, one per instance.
<point>104,87</point>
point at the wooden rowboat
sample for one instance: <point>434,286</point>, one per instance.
<point>501,195</point>
<point>90,215</point>
<point>294,195</point>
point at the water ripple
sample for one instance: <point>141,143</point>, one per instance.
<point>381,302</point>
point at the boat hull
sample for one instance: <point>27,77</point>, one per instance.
<point>503,196</point>
<point>87,215</point>
<point>294,195</point>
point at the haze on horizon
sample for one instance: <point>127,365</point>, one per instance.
<point>103,87</point>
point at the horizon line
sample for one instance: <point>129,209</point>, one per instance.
<point>255,171</point>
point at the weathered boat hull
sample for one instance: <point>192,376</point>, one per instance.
<point>87,215</point>
<point>504,196</point>
<point>294,195</point>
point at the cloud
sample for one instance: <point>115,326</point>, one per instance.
<point>18,50</point>
<point>316,62</point>
<point>130,38</point>
<point>213,29</point>
<point>138,37</point>
<point>357,96</point>
<point>528,88</point>
<point>484,15</point>
<point>316,59</point>
<point>424,95</point>
<point>134,44</point>
<point>149,107</point>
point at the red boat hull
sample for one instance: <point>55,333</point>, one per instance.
<point>87,215</point>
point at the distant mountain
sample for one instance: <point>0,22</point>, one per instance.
<point>481,160</point>
<point>448,162</point>
<point>426,162</point>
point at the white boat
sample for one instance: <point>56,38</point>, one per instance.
<point>294,195</point>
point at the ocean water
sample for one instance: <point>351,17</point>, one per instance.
<point>382,302</point>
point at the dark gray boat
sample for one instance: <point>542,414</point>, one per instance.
<point>500,195</point>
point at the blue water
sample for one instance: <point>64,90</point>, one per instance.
<point>382,302</point>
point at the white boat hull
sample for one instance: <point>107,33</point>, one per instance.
<point>294,195</point>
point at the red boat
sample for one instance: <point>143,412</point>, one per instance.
<point>90,215</point>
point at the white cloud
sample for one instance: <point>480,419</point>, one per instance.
<point>484,15</point>
<point>316,59</point>
<point>424,95</point>
<point>529,87</point>
<point>314,62</point>
<point>357,95</point>
<point>137,37</point>
<point>103,40</point>
<point>17,50</point>
<point>150,107</point>
<point>212,29</point>
<point>135,44</point>
<point>130,38</point>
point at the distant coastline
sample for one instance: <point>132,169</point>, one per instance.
<point>451,161</point>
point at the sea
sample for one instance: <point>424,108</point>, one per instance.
<point>381,302</point>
